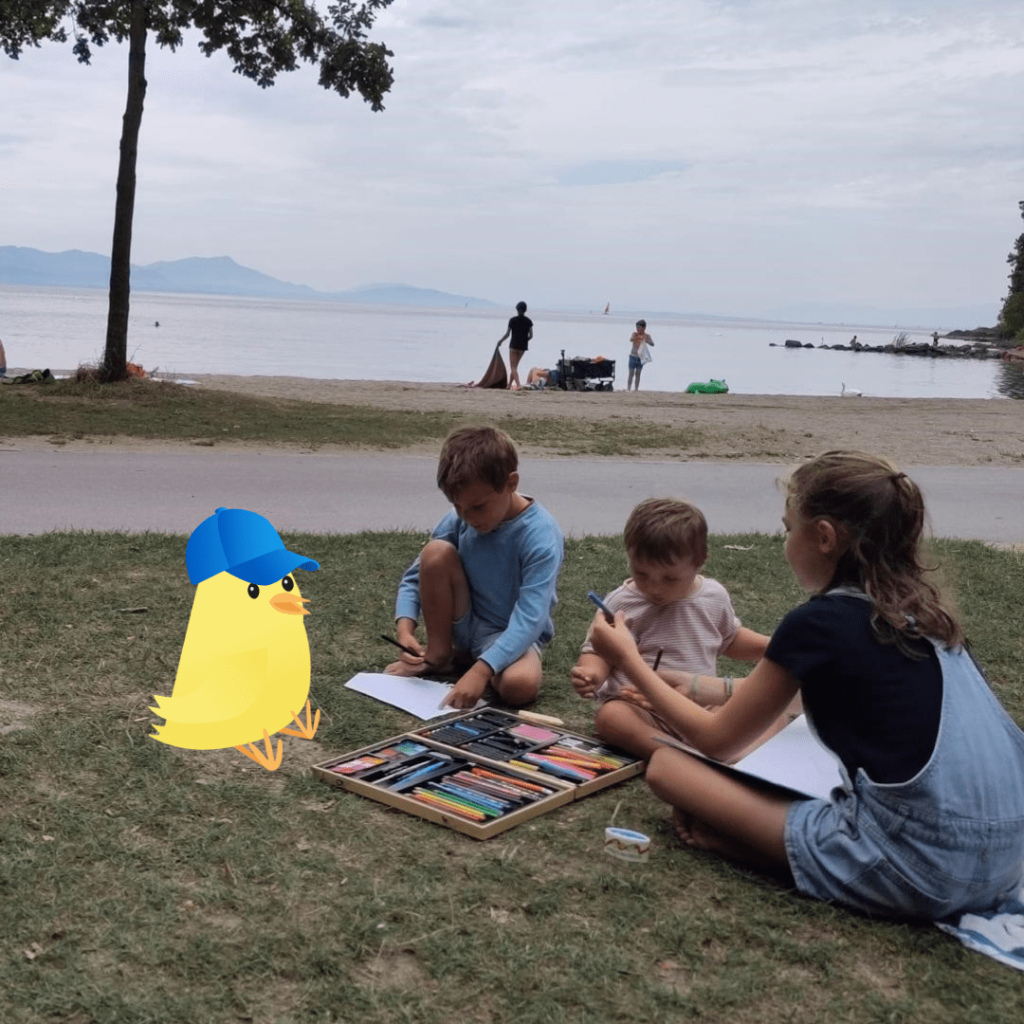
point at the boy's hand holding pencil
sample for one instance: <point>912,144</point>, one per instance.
<point>412,654</point>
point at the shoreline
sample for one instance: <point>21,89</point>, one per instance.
<point>727,427</point>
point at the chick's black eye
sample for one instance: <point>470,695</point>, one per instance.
<point>253,591</point>
<point>287,583</point>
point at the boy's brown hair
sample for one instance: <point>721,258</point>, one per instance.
<point>476,454</point>
<point>665,530</point>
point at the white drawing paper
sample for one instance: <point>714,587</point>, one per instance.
<point>792,758</point>
<point>419,697</point>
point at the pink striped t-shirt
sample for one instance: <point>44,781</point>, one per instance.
<point>691,633</point>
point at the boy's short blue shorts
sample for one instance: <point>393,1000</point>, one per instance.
<point>475,636</point>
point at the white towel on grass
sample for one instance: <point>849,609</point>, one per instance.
<point>998,933</point>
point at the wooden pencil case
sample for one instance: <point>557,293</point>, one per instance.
<point>375,771</point>
<point>386,772</point>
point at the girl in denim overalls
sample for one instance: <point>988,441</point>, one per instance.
<point>929,820</point>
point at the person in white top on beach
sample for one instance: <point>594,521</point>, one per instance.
<point>640,343</point>
<point>678,618</point>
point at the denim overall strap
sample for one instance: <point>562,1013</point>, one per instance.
<point>949,839</point>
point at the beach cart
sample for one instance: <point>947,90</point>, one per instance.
<point>584,374</point>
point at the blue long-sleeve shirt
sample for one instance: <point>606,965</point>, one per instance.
<point>512,574</point>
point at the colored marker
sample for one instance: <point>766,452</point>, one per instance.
<point>657,659</point>
<point>609,616</point>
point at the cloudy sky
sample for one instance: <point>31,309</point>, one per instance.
<point>721,156</point>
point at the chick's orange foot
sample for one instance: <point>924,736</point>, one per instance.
<point>307,731</point>
<point>271,760</point>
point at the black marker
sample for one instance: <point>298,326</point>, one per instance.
<point>608,614</point>
<point>408,650</point>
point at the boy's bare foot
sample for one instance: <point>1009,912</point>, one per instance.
<point>424,668</point>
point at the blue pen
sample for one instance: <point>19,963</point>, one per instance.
<point>427,769</point>
<point>608,614</point>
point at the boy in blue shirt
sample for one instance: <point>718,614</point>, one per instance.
<point>485,581</point>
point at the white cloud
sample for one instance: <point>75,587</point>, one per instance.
<point>685,154</point>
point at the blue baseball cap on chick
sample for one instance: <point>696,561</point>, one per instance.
<point>244,544</point>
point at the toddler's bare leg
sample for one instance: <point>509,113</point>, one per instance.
<point>718,812</point>
<point>627,727</point>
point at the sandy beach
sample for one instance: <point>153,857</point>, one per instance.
<point>742,428</point>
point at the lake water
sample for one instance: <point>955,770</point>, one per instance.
<point>62,328</point>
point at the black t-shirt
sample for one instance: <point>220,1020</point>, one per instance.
<point>520,326</point>
<point>874,706</point>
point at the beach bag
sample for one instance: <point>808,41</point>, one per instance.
<point>644,352</point>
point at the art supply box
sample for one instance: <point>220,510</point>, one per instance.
<point>480,773</point>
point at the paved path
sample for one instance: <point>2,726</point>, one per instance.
<point>44,489</point>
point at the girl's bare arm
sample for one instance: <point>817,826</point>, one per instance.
<point>721,735</point>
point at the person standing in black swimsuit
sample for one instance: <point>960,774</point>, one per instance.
<point>520,329</point>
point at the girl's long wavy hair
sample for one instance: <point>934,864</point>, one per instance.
<point>879,516</point>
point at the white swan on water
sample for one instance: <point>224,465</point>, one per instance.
<point>849,392</point>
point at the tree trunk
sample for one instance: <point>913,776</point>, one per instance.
<point>115,356</point>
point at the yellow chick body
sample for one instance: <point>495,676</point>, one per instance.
<point>244,667</point>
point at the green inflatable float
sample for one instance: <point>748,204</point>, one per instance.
<point>713,387</point>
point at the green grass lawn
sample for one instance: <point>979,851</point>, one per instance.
<point>147,409</point>
<point>140,882</point>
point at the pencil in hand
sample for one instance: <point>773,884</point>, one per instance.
<point>408,650</point>
<point>608,614</point>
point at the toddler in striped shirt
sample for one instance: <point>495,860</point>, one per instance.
<point>681,621</point>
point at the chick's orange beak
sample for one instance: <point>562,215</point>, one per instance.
<point>290,604</point>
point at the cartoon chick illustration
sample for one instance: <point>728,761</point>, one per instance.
<point>244,666</point>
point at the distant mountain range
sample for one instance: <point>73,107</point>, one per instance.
<point>221,275</point>
<point>217,275</point>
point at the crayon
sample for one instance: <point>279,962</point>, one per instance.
<point>547,765</point>
<point>434,801</point>
<point>442,792</point>
<point>609,616</point>
<point>474,798</point>
<point>509,780</point>
<point>572,766</point>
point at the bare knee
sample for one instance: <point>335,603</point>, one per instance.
<point>520,683</point>
<point>438,555</point>
<point>608,718</point>
<point>625,726</point>
<point>660,769</point>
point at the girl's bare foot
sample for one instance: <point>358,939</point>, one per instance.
<point>696,834</point>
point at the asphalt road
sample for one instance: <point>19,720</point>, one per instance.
<point>43,489</point>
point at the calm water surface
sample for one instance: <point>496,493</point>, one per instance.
<point>61,328</point>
